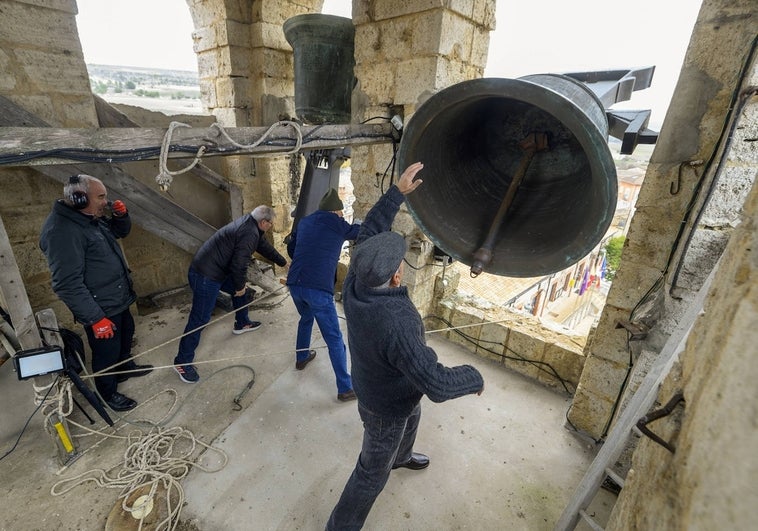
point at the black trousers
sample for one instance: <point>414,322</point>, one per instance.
<point>108,352</point>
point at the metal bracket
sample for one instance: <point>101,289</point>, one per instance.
<point>657,414</point>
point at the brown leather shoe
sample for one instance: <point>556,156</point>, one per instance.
<point>416,462</point>
<point>300,365</point>
<point>347,396</point>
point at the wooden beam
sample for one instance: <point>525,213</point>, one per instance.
<point>34,146</point>
<point>148,208</point>
<point>109,116</point>
<point>14,297</point>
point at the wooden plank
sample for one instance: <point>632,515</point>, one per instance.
<point>14,296</point>
<point>34,146</point>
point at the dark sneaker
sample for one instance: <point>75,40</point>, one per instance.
<point>187,374</point>
<point>139,370</point>
<point>249,327</point>
<point>347,396</point>
<point>119,402</point>
<point>300,365</point>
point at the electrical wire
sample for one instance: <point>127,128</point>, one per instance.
<point>540,365</point>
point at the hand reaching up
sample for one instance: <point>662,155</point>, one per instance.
<point>406,184</point>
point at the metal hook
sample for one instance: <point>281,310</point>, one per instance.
<point>654,415</point>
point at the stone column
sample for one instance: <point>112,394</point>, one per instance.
<point>246,79</point>
<point>405,52</point>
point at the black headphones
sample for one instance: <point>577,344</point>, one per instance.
<point>79,199</point>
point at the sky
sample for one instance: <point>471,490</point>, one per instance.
<point>530,38</point>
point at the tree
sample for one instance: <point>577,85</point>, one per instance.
<point>613,256</point>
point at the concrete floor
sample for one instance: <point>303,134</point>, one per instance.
<point>501,461</point>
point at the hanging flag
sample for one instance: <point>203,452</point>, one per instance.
<point>585,280</point>
<point>603,267</point>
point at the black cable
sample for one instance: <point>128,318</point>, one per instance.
<point>42,402</point>
<point>733,107</point>
<point>132,155</point>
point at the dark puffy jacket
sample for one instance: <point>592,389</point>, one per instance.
<point>228,252</point>
<point>89,271</point>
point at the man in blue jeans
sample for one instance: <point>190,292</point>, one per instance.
<point>318,244</point>
<point>221,263</point>
<point>392,366</point>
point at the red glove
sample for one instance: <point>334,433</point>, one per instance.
<point>104,328</point>
<point>118,208</point>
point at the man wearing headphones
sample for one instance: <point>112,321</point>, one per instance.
<point>90,275</point>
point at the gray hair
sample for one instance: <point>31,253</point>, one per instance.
<point>262,212</point>
<point>77,183</point>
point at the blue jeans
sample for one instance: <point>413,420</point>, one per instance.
<point>319,305</point>
<point>204,295</point>
<point>386,441</point>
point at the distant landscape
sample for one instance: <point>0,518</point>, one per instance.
<point>167,91</point>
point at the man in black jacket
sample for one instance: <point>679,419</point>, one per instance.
<point>392,366</point>
<point>90,275</point>
<point>221,263</point>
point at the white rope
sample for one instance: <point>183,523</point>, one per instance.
<point>166,176</point>
<point>281,123</point>
<point>161,457</point>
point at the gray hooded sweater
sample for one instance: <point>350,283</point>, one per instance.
<point>392,367</point>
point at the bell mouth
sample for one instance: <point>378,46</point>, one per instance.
<point>468,138</point>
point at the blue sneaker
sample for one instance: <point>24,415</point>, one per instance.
<point>187,374</point>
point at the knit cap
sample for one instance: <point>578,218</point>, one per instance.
<point>378,258</point>
<point>331,201</point>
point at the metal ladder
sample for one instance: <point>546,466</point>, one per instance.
<point>638,406</point>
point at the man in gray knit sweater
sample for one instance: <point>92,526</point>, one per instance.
<point>392,366</point>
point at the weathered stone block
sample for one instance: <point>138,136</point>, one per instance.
<point>725,204</point>
<point>480,44</point>
<point>492,340</point>
<point>276,63</point>
<point>415,77</point>
<point>390,9</point>
<point>234,33</point>
<point>77,111</point>
<point>230,91</point>
<point>603,378</point>
<point>650,236</point>
<point>589,413</point>
<point>377,81</point>
<point>54,72</point>
<point>208,63</point>
<point>521,350</point>
<point>204,39</point>
<point>703,252</point>
<point>54,29</point>
<point>631,283</point>
<point>484,14</point>
<point>267,35</point>
<point>567,364</point>
<point>462,332</point>
<point>609,342</point>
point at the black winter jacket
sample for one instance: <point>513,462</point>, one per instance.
<point>228,252</point>
<point>89,271</point>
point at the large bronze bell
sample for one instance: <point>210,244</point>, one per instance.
<point>518,177</point>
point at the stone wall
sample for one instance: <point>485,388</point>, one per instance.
<point>669,249</point>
